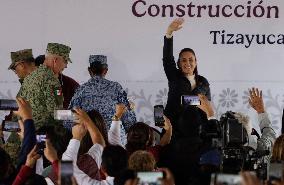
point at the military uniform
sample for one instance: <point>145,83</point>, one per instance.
<point>102,95</point>
<point>42,88</point>
<point>21,55</point>
<point>43,91</point>
<point>13,144</point>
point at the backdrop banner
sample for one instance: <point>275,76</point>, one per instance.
<point>239,44</point>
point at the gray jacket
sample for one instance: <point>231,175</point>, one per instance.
<point>268,135</point>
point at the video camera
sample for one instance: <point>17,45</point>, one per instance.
<point>236,156</point>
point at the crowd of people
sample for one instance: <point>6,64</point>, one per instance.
<point>104,144</point>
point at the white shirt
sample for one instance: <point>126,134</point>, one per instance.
<point>192,81</point>
<point>114,136</point>
<point>95,152</point>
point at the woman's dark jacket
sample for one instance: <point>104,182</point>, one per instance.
<point>179,84</point>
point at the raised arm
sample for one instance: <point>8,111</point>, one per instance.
<point>268,134</point>
<point>28,132</point>
<point>168,57</point>
<point>166,138</point>
<point>129,117</point>
<point>114,132</point>
<point>95,134</point>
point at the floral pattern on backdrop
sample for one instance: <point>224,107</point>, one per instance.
<point>223,100</point>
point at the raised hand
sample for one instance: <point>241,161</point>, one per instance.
<point>82,117</point>
<point>120,109</point>
<point>32,157</point>
<point>21,133</point>
<point>175,26</point>
<point>205,105</point>
<point>169,178</point>
<point>79,131</point>
<point>25,110</point>
<point>49,152</point>
<point>255,100</point>
<point>167,123</point>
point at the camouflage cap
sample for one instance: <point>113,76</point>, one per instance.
<point>59,49</point>
<point>98,59</point>
<point>20,55</point>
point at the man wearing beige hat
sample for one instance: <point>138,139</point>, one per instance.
<point>23,63</point>
<point>42,88</point>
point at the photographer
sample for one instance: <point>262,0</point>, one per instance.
<point>261,144</point>
<point>241,150</point>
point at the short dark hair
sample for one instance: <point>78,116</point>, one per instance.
<point>98,69</point>
<point>139,137</point>
<point>39,60</point>
<point>114,160</point>
<point>87,142</point>
<point>58,135</point>
<point>186,50</point>
<point>124,176</point>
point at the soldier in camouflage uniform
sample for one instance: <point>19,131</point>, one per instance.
<point>23,63</point>
<point>42,88</point>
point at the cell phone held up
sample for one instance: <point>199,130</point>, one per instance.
<point>150,178</point>
<point>6,104</point>
<point>64,115</point>
<point>158,115</point>
<point>66,172</point>
<point>40,142</point>
<point>11,126</point>
<point>187,100</point>
<point>225,179</point>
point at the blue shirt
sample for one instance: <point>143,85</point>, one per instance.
<point>102,95</point>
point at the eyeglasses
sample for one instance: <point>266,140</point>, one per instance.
<point>15,66</point>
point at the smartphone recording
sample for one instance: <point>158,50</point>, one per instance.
<point>158,115</point>
<point>40,140</point>
<point>225,179</point>
<point>66,172</point>
<point>190,100</point>
<point>6,104</point>
<point>152,178</point>
<point>64,115</point>
<point>11,126</point>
